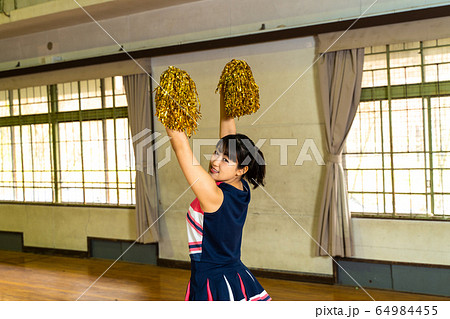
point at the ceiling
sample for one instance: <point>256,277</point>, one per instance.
<point>67,13</point>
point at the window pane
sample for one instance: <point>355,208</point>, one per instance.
<point>109,92</point>
<point>375,61</point>
<point>71,178</point>
<point>366,203</point>
<point>410,181</point>
<point>380,78</point>
<point>404,58</point>
<point>410,204</point>
<point>4,104</point>
<point>409,160</point>
<point>367,79</point>
<point>125,162</point>
<point>442,205</point>
<point>441,160</point>
<point>17,163</point>
<point>68,97</point>
<point>412,45</point>
<point>436,55</point>
<point>372,180</point>
<point>444,72</point>
<point>413,75</point>
<point>15,102</point>
<point>441,180</point>
<point>445,41</point>
<point>431,73</point>
<point>363,161</point>
<point>408,75</point>
<point>429,43</point>
<point>6,165</point>
<point>33,100</point>
<point>94,162</point>
<point>366,136</point>
<point>90,94</point>
<point>373,203</point>
<point>119,90</point>
<point>440,118</point>
<point>36,163</point>
<point>355,202</point>
<point>407,125</point>
<point>379,49</point>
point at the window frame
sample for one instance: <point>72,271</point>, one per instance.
<point>425,91</point>
<point>53,118</point>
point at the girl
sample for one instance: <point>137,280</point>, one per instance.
<point>216,217</point>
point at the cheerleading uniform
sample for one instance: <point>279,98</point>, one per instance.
<point>217,272</point>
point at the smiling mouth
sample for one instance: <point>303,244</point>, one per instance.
<point>214,171</point>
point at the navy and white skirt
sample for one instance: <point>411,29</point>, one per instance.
<point>218,282</point>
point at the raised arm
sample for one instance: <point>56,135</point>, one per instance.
<point>209,195</point>
<point>227,125</point>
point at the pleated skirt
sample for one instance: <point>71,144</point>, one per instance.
<point>223,282</point>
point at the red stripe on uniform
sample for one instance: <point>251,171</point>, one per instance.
<point>188,291</point>
<point>210,298</point>
<point>196,206</point>
<point>242,287</point>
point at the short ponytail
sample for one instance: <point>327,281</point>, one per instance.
<point>256,171</point>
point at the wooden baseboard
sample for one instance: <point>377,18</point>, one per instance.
<point>55,252</point>
<point>389,262</point>
<point>170,263</point>
<point>293,276</point>
<point>258,272</point>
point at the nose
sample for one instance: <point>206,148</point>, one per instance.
<point>216,158</point>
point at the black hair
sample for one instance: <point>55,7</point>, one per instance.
<point>240,149</point>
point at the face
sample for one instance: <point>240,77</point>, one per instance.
<point>223,169</point>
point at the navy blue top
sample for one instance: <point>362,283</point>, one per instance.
<point>222,230</point>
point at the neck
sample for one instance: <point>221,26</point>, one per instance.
<point>237,183</point>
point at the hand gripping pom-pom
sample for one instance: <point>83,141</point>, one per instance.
<point>176,101</point>
<point>240,92</point>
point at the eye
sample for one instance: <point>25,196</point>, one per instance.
<point>226,160</point>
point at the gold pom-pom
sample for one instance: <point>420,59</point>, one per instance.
<point>240,92</point>
<point>176,101</point>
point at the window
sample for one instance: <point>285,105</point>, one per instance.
<point>397,156</point>
<point>67,143</point>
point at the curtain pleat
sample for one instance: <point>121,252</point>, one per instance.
<point>140,118</point>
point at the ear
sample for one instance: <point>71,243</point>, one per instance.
<point>242,171</point>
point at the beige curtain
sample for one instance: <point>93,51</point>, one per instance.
<point>140,118</point>
<point>340,76</point>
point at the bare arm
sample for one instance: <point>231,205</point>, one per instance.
<point>227,125</point>
<point>209,195</point>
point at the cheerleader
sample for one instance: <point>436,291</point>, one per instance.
<point>215,219</point>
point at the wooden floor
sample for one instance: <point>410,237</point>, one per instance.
<point>26,276</point>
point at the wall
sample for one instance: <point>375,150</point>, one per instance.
<point>65,227</point>
<point>426,242</point>
<point>11,5</point>
<point>271,239</point>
